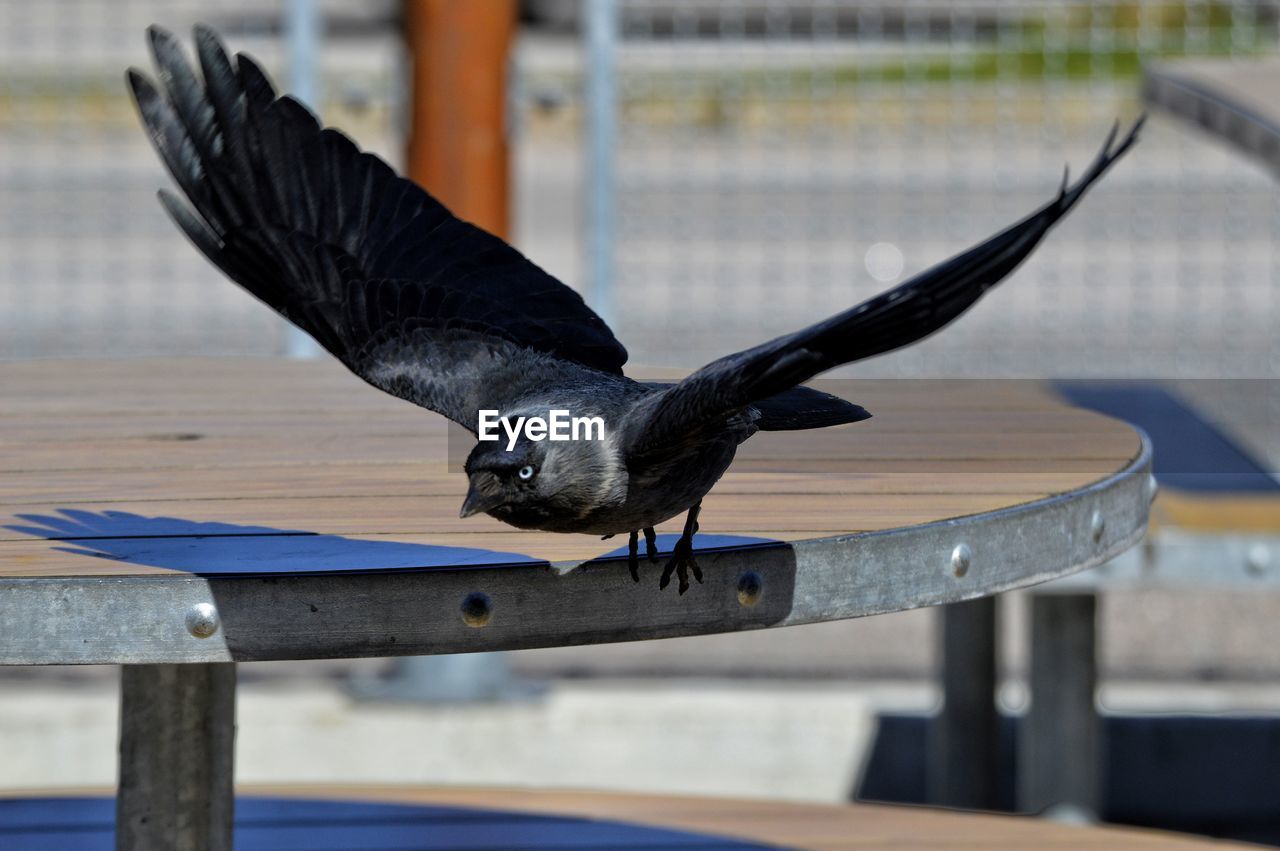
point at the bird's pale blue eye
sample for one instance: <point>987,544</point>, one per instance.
<point>526,473</point>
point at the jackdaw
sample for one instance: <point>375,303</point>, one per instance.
<point>437,311</point>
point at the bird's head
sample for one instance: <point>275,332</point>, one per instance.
<point>507,482</point>
<point>538,484</point>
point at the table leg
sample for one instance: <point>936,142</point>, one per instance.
<point>1060,739</point>
<point>964,739</point>
<point>177,735</point>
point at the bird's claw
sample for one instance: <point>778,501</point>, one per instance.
<point>681,562</point>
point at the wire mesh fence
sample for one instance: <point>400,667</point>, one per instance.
<point>89,264</point>
<point>776,161</point>
<point>781,160</point>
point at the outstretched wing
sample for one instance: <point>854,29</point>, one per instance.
<point>891,320</point>
<point>409,297</point>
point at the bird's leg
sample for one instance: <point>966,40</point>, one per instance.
<point>650,543</point>
<point>682,559</point>
<point>633,555</point>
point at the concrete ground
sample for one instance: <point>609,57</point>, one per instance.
<point>801,739</point>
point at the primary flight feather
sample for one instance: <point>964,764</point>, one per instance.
<point>439,312</point>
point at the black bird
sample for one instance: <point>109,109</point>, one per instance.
<point>439,312</point>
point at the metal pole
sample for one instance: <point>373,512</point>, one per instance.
<point>458,146</point>
<point>303,26</point>
<point>1060,738</point>
<point>964,741</point>
<point>177,748</point>
<point>601,51</point>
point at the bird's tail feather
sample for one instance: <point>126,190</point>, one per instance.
<point>804,408</point>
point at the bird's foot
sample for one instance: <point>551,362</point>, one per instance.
<point>633,556</point>
<point>633,550</point>
<point>651,543</point>
<point>681,562</point>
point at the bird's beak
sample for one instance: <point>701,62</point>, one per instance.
<point>480,499</point>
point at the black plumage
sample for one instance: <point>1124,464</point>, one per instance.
<point>437,311</point>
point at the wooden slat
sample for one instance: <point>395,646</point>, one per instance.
<point>161,448</point>
<point>738,513</point>
<point>248,451</point>
<point>36,427</point>
<point>1218,514</point>
<point>354,479</point>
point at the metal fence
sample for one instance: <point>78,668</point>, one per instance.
<point>778,161</point>
<point>774,162</point>
<point>89,264</point>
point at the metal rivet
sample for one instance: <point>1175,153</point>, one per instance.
<point>202,620</point>
<point>1258,559</point>
<point>1153,488</point>
<point>1097,525</point>
<point>750,588</point>
<point>960,558</point>
<point>477,609</point>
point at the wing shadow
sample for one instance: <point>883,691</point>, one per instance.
<point>228,549</point>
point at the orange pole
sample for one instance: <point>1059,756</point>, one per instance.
<point>459,51</point>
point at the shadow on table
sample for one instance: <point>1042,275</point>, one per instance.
<point>229,549</point>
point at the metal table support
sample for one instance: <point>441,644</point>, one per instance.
<point>177,737</point>
<point>964,740</point>
<point>1060,747</point>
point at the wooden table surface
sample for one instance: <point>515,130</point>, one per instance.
<point>810,826</point>
<point>101,451</point>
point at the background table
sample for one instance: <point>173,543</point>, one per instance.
<point>394,816</point>
<point>1233,99</point>
<point>218,511</point>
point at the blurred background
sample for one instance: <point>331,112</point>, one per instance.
<point>709,173</point>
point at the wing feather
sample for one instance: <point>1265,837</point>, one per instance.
<point>330,237</point>
<point>895,318</point>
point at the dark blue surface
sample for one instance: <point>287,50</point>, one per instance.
<point>1189,452</point>
<point>87,824</point>
<point>1214,775</point>
<point>228,549</point>
<point>704,541</point>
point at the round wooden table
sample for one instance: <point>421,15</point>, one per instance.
<point>215,511</point>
